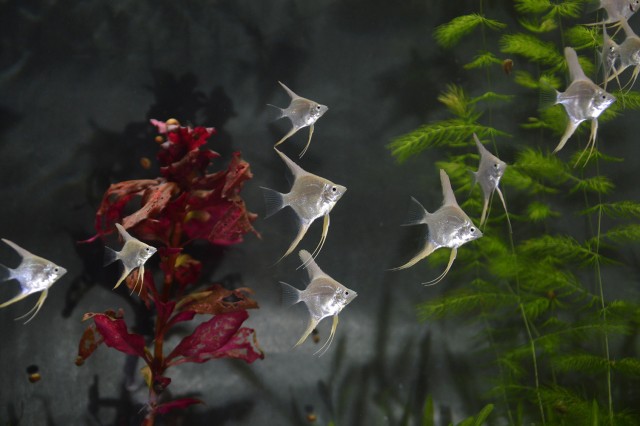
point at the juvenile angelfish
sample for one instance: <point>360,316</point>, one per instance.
<point>583,100</point>
<point>323,296</point>
<point>302,112</point>
<point>448,226</point>
<point>310,197</point>
<point>628,53</point>
<point>489,173</point>
<point>133,255</point>
<point>34,274</point>
<point>610,57</point>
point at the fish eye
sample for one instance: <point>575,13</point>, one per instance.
<point>346,293</point>
<point>496,165</point>
<point>472,229</point>
<point>56,269</point>
<point>334,189</point>
<point>318,107</point>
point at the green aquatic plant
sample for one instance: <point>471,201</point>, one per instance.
<point>563,345</point>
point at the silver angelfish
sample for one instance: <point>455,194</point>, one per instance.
<point>583,100</point>
<point>628,55</point>
<point>34,274</point>
<point>323,296</point>
<point>301,112</point>
<point>489,173</point>
<point>617,10</point>
<point>448,226</point>
<point>609,57</point>
<point>133,255</point>
<point>310,197</point>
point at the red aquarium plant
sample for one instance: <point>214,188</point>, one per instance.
<point>186,204</point>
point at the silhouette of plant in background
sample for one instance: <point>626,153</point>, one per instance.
<point>561,346</point>
<point>186,204</point>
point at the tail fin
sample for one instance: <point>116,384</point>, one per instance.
<point>110,256</point>
<point>280,112</point>
<point>5,273</point>
<point>548,96</point>
<point>274,200</point>
<point>290,294</point>
<point>417,214</point>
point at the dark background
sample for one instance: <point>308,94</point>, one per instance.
<point>78,83</point>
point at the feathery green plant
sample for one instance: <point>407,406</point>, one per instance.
<point>564,348</point>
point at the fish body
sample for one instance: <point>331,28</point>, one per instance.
<point>628,55</point>
<point>310,197</point>
<point>449,226</point>
<point>302,112</point>
<point>582,100</point>
<point>490,171</point>
<point>34,274</point>
<point>133,255</point>
<point>323,296</point>
<point>610,57</point>
<point>618,10</point>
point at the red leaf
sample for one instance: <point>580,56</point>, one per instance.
<point>186,270</point>
<point>218,300</point>
<point>176,404</point>
<point>154,200</point>
<point>89,342</point>
<point>217,338</point>
<point>115,334</point>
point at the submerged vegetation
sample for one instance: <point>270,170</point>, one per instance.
<point>549,295</point>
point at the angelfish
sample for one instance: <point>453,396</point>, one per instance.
<point>448,226</point>
<point>301,112</point>
<point>310,197</point>
<point>609,57</point>
<point>618,10</point>
<point>583,100</point>
<point>323,296</point>
<point>489,173</point>
<point>34,274</point>
<point>133,255</point>
<point>628,53</point>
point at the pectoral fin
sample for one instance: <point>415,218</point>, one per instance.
<point>308,142</point>
<point>591,143</point>
<point>504,204</point>
<point>36,308</point>
<point>323,238</point>
<point>326,345</point>
<point>452,257</point>
<point>426,251</point>
<point>313,323</point>
<point>485,207</point>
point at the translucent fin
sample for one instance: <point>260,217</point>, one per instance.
<point>548,96</point>
<point>5,273</point>
<point>290,92</point>
<point>481,148</point>
<point>125,235</point>
<point>36,307</point>
<point>313,323</point>
<point>426,251</point>
<point>447,192</point>
<point>571,128</point>
<point>308,142</point>
<point>575,70</point>
<point>291,132</point>
<point>110,256</point>
<point>627,29</point>
<point>301,232</point>
<point>485,207</point>
<point>273,200</point>
<point>416,214</point>
<point>281,112</point>
<point>290,294</point>
<point>452,257</point>
<point>139,279</point>
<point>590,143</point>
<point>18,298</point>
<point>326,345</point>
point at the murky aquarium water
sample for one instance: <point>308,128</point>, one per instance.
<point>319,213</point>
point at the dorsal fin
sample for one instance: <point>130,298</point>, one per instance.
<point>125,235</point>
<point>481,149</point>
<point>627,29</point>
<point>22,252</point>
<point>312,267</point>
<point>575,70</point>
<point>447,192</point>
<point>290,92</point>
<point>295,169</point>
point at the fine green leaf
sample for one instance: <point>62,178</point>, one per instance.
<point>449,34</point>
<point>620,209</point>
<point>596,184</point>
<point>559,249</point>
<point>585,363</point>
<point>624,233</point>
<point>627,366</point>
<point>480,418</point>
<point>483,60</point>
<point>463,303</point>
<point>532,6</point>
<point>532,48</point>
<point>583,37</point>
<point>536,25</point>
<point>428,413</point>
